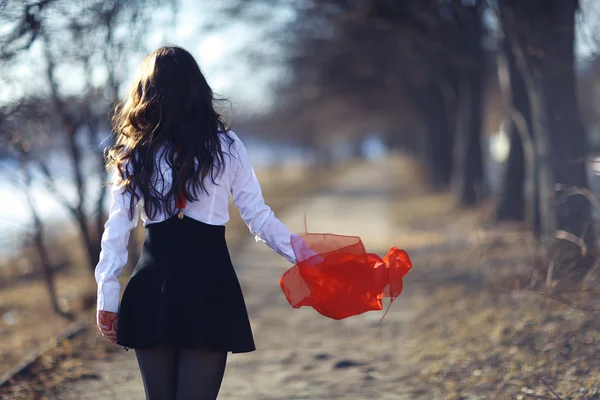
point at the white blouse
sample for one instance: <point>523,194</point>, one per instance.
<point>237,178</point>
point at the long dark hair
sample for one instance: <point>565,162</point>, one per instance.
<point>169,107</point>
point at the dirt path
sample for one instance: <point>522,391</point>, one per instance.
<point>302,355</point>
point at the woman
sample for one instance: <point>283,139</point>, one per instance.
<point>182,310</point>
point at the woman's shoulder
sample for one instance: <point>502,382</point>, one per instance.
<point>231,141</point>
<point>230,136</point>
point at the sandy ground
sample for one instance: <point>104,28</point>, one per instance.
<point>302,355</point>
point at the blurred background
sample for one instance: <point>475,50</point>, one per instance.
<point>493,105</point>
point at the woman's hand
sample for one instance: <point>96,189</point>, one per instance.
<point>107,323</point>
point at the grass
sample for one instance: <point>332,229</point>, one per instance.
<point>482,333</point>
<point>510,345</point>
<point>28,318</point>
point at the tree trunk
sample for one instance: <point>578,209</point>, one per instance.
<point>468,155</point>
<point>469,160</point>
<point>511,202</point>
<point>71,127</point>
<point>396,141</point>
<point>39,241</point>
<point>517,195</point>
<point>356,149</point>
<point>90,243</point>
<point>100,214</point>
<point>439,138</point>
<point>543,36</point>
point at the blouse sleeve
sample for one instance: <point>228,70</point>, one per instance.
<point>113,255</point>
<point>260,219</point>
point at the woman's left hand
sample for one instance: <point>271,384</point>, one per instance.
<point>107,323</point>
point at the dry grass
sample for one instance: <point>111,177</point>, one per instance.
<point>483,334</point>
<point>27,320</point>
<point>505,346</point>
<point>65,363</point>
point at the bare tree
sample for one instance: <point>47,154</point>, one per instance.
<point>391,65</point>
<point>38,238</point>
<point>93,37</point>
<point>519,194</point>
<point>543,40</point>
<point>16,132</point>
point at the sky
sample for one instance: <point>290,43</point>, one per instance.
<point>221,51</point>
<point>248,86</point>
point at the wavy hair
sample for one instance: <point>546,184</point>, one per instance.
<point>170,108</point>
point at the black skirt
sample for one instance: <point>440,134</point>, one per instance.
<point>184,292</point>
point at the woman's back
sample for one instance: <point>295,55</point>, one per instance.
<point>212,204</point>
<point>236,177</point>
<point>173,149</point>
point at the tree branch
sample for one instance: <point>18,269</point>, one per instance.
<point>545,383</point>
<point>50,184</point>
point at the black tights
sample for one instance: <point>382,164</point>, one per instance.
<point>181,374</point>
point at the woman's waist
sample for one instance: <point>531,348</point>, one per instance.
<point>184,234</point>
<point>210,214</point>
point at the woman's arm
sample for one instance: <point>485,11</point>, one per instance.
<point>113,256</point>
<point>260,219</point>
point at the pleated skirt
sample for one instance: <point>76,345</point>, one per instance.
<point>184,292</point>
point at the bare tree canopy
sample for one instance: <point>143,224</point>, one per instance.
<point>83,50</point>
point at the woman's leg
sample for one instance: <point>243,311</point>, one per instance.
<point>158,367</point>
<point>199,374</point>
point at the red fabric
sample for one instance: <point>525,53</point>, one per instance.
<point>180,201</point>
<point>337,277</point>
